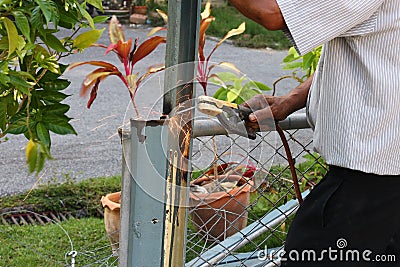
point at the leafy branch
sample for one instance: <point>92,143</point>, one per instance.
<point>30,72</point>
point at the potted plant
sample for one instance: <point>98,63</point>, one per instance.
<point>140,7</point>
<point>112,206</point>
<point>129,53</point>
<point>219,202</point>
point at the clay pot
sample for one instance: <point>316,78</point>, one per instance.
<point>112,205</point>
<point>220,214</point>
<point>140,10</point>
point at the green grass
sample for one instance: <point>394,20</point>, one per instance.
<point>255,36</point>
<point>81,199</point>
<point>47,245</point>
<point>32,246</point>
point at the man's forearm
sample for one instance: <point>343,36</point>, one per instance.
<point>297,98</point>
<point>264,12</point>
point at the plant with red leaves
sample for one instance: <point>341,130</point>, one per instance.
<point>128,56</point>
<point>204,68</point>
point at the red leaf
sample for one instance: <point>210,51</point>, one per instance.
<point>123,49</point>
<point>115,31</point>
<point>146,48</point>
<point>204,24</point>
<point>103,64</point>
<point>110,48</point>
<point>95,76</point>
<point>93,93</point>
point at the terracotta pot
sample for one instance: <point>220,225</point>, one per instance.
<point>140,10</point>
<point>112,206</point>
<point>221,214</point>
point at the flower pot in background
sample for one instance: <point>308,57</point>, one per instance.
<point>139,10</point>
<point>220,214</point>
<point>112,205</point>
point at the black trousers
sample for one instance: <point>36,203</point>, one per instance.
<point>350,218</point>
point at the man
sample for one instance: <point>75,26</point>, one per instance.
<point>351,218</point>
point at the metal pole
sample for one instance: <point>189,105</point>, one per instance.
<point>143,193</point>
<point>210,127</point>
<point>182,46</point>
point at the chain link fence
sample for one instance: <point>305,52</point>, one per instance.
<point>241,216</point>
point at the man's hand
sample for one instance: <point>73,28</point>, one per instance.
<point>277,107</point>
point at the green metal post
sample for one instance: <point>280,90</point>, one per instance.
<point>182,47</point>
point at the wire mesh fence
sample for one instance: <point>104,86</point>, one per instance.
<point>238,217</point>
<point>242,197</point>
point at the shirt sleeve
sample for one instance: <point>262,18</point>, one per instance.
<point>313,23</point>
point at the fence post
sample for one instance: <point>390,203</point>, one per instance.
<point>182,47</point>
<point>142,197</point>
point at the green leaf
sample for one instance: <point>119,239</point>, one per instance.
<point>293,65</point>
<point>250,86</point>
<point>52,117</point>
<point>23,74</point>
<point>51,96</point>
<point>20,84</point>
<point>57,85</point>
<point>246,95</point>
<point>18,127</point>
<point>60,127</point>
<point>54,43</point>
<point>56,109</point>
<point>262,86</point>
<point>43,134</point>
<point>4,43</point>
<point>37,22</point>
<point>46,8</point>
<point>40,162</point>
<point>308,60</point>
<point>86,15</point>
<point>227,76</point>
<point>3,116</point>
<point>12,34</point>
<point>31,155</point>
<point>219,93</point>
<point>4,79</point>
<point>96,3</point>
<point>23,24</point>
<point>70,17</point>
<point>100,19</point>
<point>86,39</point>
<point>238,85</point>
<point>232,95</point>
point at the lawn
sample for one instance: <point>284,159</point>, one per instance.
<point>33,245</point>
<point>48,245</point>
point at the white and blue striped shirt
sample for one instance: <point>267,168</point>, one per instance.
<point>354,102</point>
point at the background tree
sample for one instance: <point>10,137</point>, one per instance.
<point>30,70</point>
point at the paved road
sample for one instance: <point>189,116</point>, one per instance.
<point>96,150</point>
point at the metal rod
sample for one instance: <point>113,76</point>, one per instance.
<point>209,127</point>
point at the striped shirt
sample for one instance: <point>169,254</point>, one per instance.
<point>354,101</point>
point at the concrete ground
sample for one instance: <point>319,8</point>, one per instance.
<point>96,150</point>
